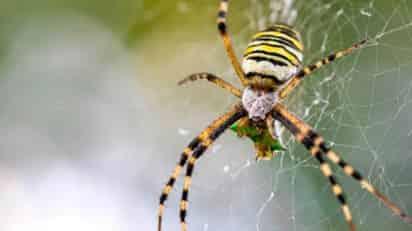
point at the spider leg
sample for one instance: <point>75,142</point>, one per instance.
<point>213,79</point>
<point>172,179</point>
<point>336,188</point>
<point>352,172</point>
<point>222,27</point>
<point>271,127</point>
<point>307,70</point>
<point>211,132</point>
<point>207,137</point>
<point>315,144</point>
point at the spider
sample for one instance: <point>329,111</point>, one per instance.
<point>271,68</point>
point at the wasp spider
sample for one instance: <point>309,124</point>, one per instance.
<point>271,68</point>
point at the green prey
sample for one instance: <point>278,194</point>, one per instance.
<point>266,145</point>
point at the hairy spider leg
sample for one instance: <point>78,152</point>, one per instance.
<point>172,179</point>
<point>316,146</point>
<point>208,136</point>
<point>213,79</point>
<point>307,70</point>
<point>187,152</point>
<point>222,27</point>
<point>292,124</point>
<point>336,188</point>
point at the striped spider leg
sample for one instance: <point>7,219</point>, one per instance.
<point>191,153</point>
<point>317,148</point>
<point>227,42</point>
<point>272,66</point>
<point>307,70</point>
<point>212,79</point>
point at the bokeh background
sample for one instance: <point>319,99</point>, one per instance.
<point>92,121</point>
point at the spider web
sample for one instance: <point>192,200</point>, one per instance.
<point>360,104</point>
<point>87,145</point>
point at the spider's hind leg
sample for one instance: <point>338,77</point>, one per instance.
<point>227,42</point>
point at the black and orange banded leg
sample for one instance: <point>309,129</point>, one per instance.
<point>336,188</point>
<point>227,42</point>
<point>299,130</point>
<point>213,79</point>
<point>199,141</point>
<point>316,144</point>
<point>170,183</point>
<point>352,172</point>
<point>270,123</point>
<point>307,70</point>
<point>208,136</point>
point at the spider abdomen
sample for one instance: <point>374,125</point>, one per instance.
<point>273,56</point>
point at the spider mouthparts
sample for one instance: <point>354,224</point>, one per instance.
<point>256,118</point>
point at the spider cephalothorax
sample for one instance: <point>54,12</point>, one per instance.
<point>271,69</point>
<point>272,57</point>
<point>258,102</point>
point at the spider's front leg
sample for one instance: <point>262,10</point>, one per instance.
<point>208,136</point>
<point>194,150</point>
<point>317,147</point>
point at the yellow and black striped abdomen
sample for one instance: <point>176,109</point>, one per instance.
<point>273,56</point>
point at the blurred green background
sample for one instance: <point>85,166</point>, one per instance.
<point>92,121</point>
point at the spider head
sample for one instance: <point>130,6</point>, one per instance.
<point>273,56</point>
